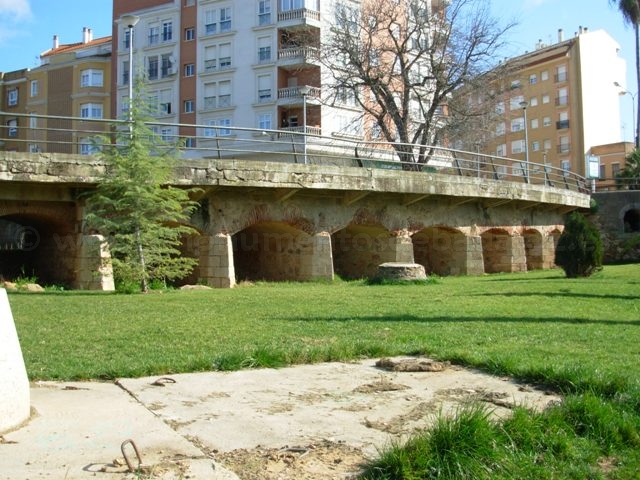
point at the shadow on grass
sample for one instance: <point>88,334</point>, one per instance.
<point>413,318</point>
<point>607,296</point>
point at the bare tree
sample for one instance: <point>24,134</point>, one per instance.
<point>402,61</point>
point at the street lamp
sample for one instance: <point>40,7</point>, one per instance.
<point>130,21</point>
<point>304,91</point>
<point>636,140</point>
<point>524,104</point>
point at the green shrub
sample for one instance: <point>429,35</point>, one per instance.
<point>579,249</point>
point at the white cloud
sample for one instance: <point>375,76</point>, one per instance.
<point>15,9</point>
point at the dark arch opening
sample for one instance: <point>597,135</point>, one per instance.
<point>631,221</point>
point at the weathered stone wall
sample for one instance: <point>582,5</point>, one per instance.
<point>620,239</point>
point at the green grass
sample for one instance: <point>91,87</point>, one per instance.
<point>580,337</point>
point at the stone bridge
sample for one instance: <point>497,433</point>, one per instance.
<point>278,221</point>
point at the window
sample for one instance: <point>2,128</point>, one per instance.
<point>33,122</point>
<point>517,124</point>
<point>265,121</point>
<point>189,34</point>
<point>189,3</point>
<point>210,22</point>
<point>222,128</point>
<point>13,127</point>
<point>154,35</point>
<point>291,4</point>
<point>515,84</point>
<point>535,146</point>
<point>564,146</point>
<point>501,150</point>
<point>561,73</point>
<point>152,67</point>
<point>264,49</point>
<point>533,79</point>
<point>127,39</point>
<point>188,106</point>
<point>346,96</point>
<point>12,97</point>
<point>264,12</point>
<point>563,97</point>
<point>225,19</point>
<point>545,99</point>
<point>546,121</point>
<point>547,144</point>
<point>514,102</point>
<point>500,128</point>
<point>565,165</point>
<point>615,169</point>
<point>165,98</point>
<point>167,31</point>
<point>534,123</point>
<point>189,70</point>
<point>533,102</point>
<point>217,57</point>
<point>500,108</point>
<point>544,76</point>
<point>190,142</point>
<point>225,56</point>
<point>166,134</point>
<point>217,95</point>
<point>265,88</point>
<point>125,72</point>
<point>88,146</point>
<point>167,65</point>
<point>91,110</point>
<point>34,88</point>
<point>517,146</point>
<point>91,78</point>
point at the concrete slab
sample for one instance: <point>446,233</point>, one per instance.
<point>311,422</point>
<point>76,431</point>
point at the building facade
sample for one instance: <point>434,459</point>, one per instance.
<point>559,102</point>
<point>216,64</point>
<point>72,80</point>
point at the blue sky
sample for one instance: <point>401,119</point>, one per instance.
<point>27,28</point>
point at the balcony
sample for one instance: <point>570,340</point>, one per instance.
<point>293,95</point>
<point>294,56</point>
<point>298,17</point>
<point>562,124</point>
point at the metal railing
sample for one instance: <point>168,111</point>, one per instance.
<point>295,144</point>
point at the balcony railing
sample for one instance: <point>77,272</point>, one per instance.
<point>299,14</point>
<point>300,54</point>
<point>294,93</point>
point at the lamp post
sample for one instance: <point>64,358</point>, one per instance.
<point>524,104</point>
<point>636,140</point>
<point>130,21</point>
<point>304,91</point>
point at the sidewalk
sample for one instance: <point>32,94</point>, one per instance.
<point>76,432</point>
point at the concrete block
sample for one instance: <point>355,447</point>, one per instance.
<point>15,399</point>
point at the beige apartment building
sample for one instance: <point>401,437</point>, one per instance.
<point>72,80</point>
<point>559,103</point>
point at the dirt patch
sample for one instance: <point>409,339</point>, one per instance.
<point>322,461</point>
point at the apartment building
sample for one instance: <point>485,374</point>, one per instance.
<point>72,80</point>
<point>559,102</point>
<point>223,63</point>
<point>14,89</point>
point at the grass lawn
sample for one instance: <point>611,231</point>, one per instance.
<point>581,337</point>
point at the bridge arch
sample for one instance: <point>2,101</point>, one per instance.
<point>41,243</point>
<point>631,218</point>
<point>358,249</point>
<point>497,251</point>
<point>441,250</point>
<point>273,251</point>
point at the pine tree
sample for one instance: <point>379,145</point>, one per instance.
<point>143,217</point>
<point>579,249</point>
